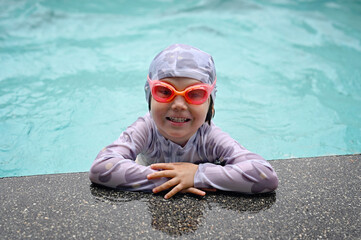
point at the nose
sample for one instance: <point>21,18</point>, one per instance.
<point>179,103</point>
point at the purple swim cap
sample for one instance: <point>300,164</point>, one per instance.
<point>179,60</point>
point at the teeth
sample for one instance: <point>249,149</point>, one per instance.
<point>173,119</point>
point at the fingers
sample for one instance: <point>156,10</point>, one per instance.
<point>160,174</point>
<point>177,189</point>
<point>180,175</point>
<point>172,192</point>
<point>164,173</point>
<point>195,191</point>
<point>163,166</point>
<point>188,190</point>
<point>166,186</point>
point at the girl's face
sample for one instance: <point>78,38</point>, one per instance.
<point>178,120</point>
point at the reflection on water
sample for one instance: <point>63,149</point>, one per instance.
<point>184,214</point>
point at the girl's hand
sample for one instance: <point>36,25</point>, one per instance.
<point>182,178</point>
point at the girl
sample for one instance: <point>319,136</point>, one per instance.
<point>176,146</point>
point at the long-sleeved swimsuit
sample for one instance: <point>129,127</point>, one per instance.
<point>222,162</point>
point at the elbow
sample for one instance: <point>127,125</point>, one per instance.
<point>273,183</point>
<point>267,184</point>
<point>106,173</point>
<point>97,174</point>
<point>93,177</point>
<point>264,179</point>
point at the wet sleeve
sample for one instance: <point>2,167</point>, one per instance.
<point>237,169</point>
<point>115,165</point>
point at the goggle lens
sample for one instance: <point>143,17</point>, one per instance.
<point>197,94</point>
<point>162,92</point>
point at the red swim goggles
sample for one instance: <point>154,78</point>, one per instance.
<point>196,94</point>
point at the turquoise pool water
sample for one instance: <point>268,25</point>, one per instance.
<point>72,75</point>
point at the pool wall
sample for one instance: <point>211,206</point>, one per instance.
<point>317,198</point>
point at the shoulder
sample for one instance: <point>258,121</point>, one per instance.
<point>219,141</point>
<point>141,130</point>
<point>142,123</point>
<point>214,133</point>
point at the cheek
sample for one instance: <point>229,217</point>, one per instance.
<point>153,107</point>
<point>201,111</point>
<point>206,106</point>
<point>157,108</point>
<point>206,109</point>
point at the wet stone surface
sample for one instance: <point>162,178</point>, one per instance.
<point>317,198</point>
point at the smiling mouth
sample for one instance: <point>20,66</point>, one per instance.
<point>177,119</point>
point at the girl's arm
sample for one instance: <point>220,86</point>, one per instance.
<point>236,169</point>
<point>115,166</point>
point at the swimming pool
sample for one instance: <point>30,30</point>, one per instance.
<point>72,75</point>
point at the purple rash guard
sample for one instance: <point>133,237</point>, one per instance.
<point>222,162</point>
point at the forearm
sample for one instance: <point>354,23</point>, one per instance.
<point>123,174</point>
<point>251,176</point>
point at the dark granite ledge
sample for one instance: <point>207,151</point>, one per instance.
<point>317,198</point>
